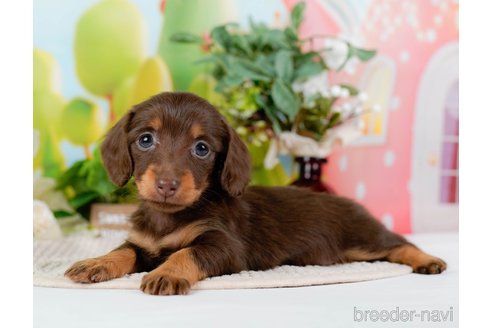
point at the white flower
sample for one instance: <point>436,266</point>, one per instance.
<point>345,93</point>
<point>347,107</point>
<point>44,190</point>
<point>313,85</point>
<point>336,54</point>
<point>362,97</point>
<point>293,144</point>
<point>45,225</point>
<point>336,91</point>
<point>351,66</point>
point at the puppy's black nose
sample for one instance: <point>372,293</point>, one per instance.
<point>166,187</point>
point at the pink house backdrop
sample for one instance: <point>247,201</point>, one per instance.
<point>405,168</point>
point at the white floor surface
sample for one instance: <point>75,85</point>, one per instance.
<point>431,298</point>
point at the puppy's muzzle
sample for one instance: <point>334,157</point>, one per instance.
<point>166,187</point>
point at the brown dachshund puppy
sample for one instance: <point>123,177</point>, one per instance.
<point>197,219</point>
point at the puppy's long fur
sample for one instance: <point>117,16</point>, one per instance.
<point>198,219</point>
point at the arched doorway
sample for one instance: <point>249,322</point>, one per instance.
<point>435,178</point>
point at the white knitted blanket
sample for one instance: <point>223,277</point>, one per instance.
<point>52,258</point>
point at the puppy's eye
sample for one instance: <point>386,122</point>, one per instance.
<point>201,150</point>
<point>145,141</point>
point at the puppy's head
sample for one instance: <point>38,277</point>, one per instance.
<point>176,145</point>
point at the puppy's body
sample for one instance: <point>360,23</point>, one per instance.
<point>265,228</point>
<point>196,218</point>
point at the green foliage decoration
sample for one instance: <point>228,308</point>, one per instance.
<point>256,71</point>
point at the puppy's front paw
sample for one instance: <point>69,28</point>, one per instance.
<point>164,284</point>
<point>90,271</point>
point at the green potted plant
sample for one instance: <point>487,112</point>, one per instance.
<point>272,86</point>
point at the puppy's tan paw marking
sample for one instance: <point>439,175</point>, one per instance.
<point>89,271</point>
<point>163,284</point>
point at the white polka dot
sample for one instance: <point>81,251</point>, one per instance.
<point>383,36</point>
<point>438,20</point>
<point>404,56</point>
<point>431,35</point>
<point>343,163</point>
<point>377,11</point>
<point>385,7</point>
<point>388,221</point>
<point>394,103</point>
<point>413,21</point>
<point>360,190</point>
<point>390,29</point>
<point>389,158</point>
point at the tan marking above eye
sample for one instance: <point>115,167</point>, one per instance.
<point>179,238</point>
<point>156,123</point>
<point>196,130</point>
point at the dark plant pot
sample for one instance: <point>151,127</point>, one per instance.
<point>310,169</point>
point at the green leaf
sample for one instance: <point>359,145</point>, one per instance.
<point>363,54</point>
<point>308,69</point>
<point>98,180</point>
<point>185,37</point>
<point>70,175</point>
<point>284,66</point>
<point>249,70</point>
<point>285,99</point>
<point>229,81</point>
<point>311,56</point>
<point>214,59</point>
<point>265,63</point>
<point>291,34</point>
<point>83,199</point>
<point>352,90</point>
<point>334,119</point>
<point>269,111</point>
<point>296,15</point>
<point>276,40</point>
<point>221,36</point>
<point>241,44</point>
<point>62,214</point>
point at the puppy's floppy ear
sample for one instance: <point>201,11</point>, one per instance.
<point>237,167</point>
<point>115,152</point>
